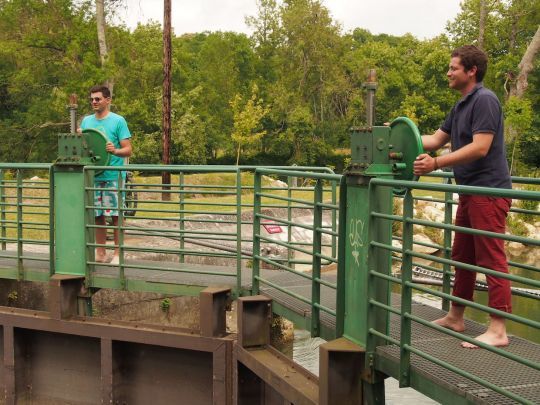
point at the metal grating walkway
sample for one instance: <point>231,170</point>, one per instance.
<point>519,379</point>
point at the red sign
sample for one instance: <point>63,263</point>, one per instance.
<point>272,228</point>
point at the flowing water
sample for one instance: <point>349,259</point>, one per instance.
<point>306,353</point>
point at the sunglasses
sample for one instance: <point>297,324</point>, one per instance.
<point>96,99</point>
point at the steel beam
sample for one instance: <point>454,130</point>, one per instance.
<point>265,376</point>
<point>341,363</point>
<point>44,359</point>
<point>277,372</point>
<point>107,373</point>
<point>254,317</point>
<point>8,371</point>
<point>213,303</point>
<point>63,292</point>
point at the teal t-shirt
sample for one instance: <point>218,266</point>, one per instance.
<point>116,129</point>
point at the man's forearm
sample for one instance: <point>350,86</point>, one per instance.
<point>466,154</point>
<point>435,141</point>
<point>122,152</point>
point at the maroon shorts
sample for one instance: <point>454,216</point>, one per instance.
<point>488,214</point>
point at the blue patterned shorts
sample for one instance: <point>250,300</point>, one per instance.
<point>106,198</point>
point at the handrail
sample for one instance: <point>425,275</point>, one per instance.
<point>318,207</point>
<point>408,287</point>
<point>179,211</point>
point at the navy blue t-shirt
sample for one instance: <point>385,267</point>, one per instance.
<point>479,112</point>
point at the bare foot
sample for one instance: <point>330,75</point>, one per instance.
<point>489,338</point>
<point>456,324</point>
<point>115,260</point>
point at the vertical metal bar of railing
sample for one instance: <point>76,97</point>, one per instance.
<point>90,220</point>
<point>406,291</point>
<point>51,221</point>
<point>238,230</point>
<point>120,229</point>
<point>3,210</point>
<point>334,218</point>
<point>448,197</point>
<point>316,259</point>
<point>181,225</point>
<point>256,230</point>
<point>20,268</point>
<point>340,282</point>
<point>289,218</point>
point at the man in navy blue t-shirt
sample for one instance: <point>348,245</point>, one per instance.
<point>474,128</point>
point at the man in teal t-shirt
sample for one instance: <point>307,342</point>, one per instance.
<point>115,127</point>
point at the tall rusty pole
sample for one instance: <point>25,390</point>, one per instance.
<point>371,86</point>
<point>167,54</point>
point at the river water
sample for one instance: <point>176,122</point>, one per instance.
<point>306,353</point>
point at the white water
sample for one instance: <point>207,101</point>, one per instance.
<point>306,353</point>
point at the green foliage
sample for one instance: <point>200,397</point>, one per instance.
<point>518,114</point>
<point>436,235</point>
<point>529,205</point>
<point>165,304</point>
<point>13,296</point>
<point>308,72</point>
<point>247,121</point>
<point>515,226</point>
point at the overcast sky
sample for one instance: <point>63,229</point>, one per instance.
<point>422,18</point>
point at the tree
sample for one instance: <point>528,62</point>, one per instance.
<point>247,120</point>
<point>526,66</point>
<point>512,41</point>
<point>102,39</point>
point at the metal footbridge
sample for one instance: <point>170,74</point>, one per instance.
<point>334,254</point>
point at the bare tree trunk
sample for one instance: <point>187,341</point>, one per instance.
<point>526,66</point>
<point>482,24</point>
<point>102,39</point>
<point>167,55</point>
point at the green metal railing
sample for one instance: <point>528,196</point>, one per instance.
<point>442,264</point>
<point>26,215</point>
<point>215,226</point>
<point>316,257</point>
<point>223,206</point>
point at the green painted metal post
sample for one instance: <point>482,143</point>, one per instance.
<point>238,231</point>
<point>290,180</point>
<point>360,286</point>
<point>20,268</point>
<point>120,230</point>
<point>90,221</point>
<point>334,219</point>
<point>69,189</point>
<point>360,259</point>
<point>257,182</point>
<point>447,273</point>
<point>375,152</point>
<point>342,242</point>
<point>51,222</point>
<point>182,208</point>
<point>316,264</point>
<point>3,210</point>
<point>370,159</point>
<point>379,260</point>
<point>406,291</point>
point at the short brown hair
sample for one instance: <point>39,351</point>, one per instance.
<point>471,56</point>
<point>100,88</point>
